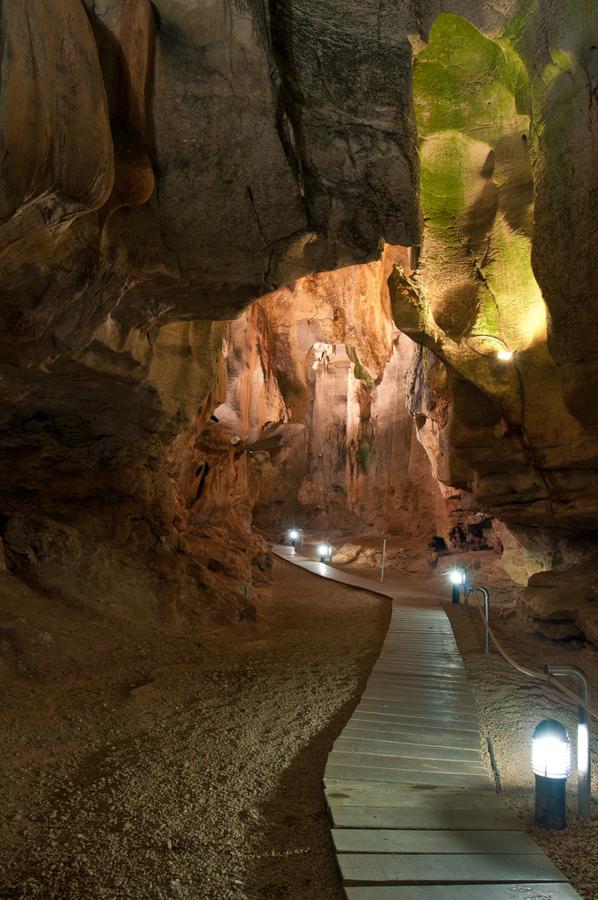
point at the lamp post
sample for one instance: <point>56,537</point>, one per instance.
<point>551,762</point>
<point>383,561</point>
<point>294,536</point>
<point>457,579</point>
<point>324,550</point>
<point>486,596</point>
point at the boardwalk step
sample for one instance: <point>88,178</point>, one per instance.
<point>356,840</point>
<point>458,868</point>
<point>408,796</point>
<point>434,737</point>
<point>392,761</point>
<point>519,891</point>
<point>412,775</point>
<point>350,744</point>
<point>480,818</point>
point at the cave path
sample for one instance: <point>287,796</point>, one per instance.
<point>415,815</point>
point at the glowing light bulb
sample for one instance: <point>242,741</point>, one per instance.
<point>551,750</point>
<point>504,355</point>
<point>456,576</point>
<point>323,551</point>
<point>294,534</point>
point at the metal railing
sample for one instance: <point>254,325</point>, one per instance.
<point>584,710</point>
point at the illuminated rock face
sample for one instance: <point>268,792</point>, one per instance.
<point>506,190</point>
<point>319,397</point>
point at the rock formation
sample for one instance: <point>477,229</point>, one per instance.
<point>165,164</point>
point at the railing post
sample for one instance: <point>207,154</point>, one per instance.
<point>486,596</point>
<point>584,758</point>
<point>383,561</point>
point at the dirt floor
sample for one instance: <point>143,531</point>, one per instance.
<point>141,763</point>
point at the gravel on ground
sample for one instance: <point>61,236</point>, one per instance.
<point>148,763</point>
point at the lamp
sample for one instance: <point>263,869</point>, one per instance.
<point>294,536</point>
<point>324,550</point>
<point>457,579</point>
<point>504,355</point>
<point>551,764</point>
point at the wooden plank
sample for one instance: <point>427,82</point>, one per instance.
<point>407,868</point>
<point>419,763</point>
<point>403,776</point>
<point>351,744</point>
<point>358,728</point>
<point>480,818</point>
<point>520,891</point>
<point>409,796</point>
<point>367,840</point>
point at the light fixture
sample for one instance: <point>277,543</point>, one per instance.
<point>551,764</point>
<point>502,352</point>
<point>504,355</point>
<point>458,580</point>
<point>456,576</point>
<point>551,750</point>
<point>324,550</point>
<point>294,536</point>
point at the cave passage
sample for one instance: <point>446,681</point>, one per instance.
<point>271,267</point>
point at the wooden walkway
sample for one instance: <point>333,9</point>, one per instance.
<point>414,814</point>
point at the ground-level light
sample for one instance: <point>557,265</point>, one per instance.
<point>456,576</point>
<point>504,355</point>
<point>458,579</point>
<point>294,536</point>
<point>324,551</point>
<point>551,764</point>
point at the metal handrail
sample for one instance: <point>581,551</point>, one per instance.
<point>551,672</point>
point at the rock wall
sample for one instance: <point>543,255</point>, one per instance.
<point>319,374</point>
<point>489,158</point>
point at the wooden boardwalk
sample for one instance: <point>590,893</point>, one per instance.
<point>414,814</point>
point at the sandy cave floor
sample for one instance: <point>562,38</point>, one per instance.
<point>141,765</point>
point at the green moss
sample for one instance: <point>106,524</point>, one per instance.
<point>359,370</point>
<point>473,100</point>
